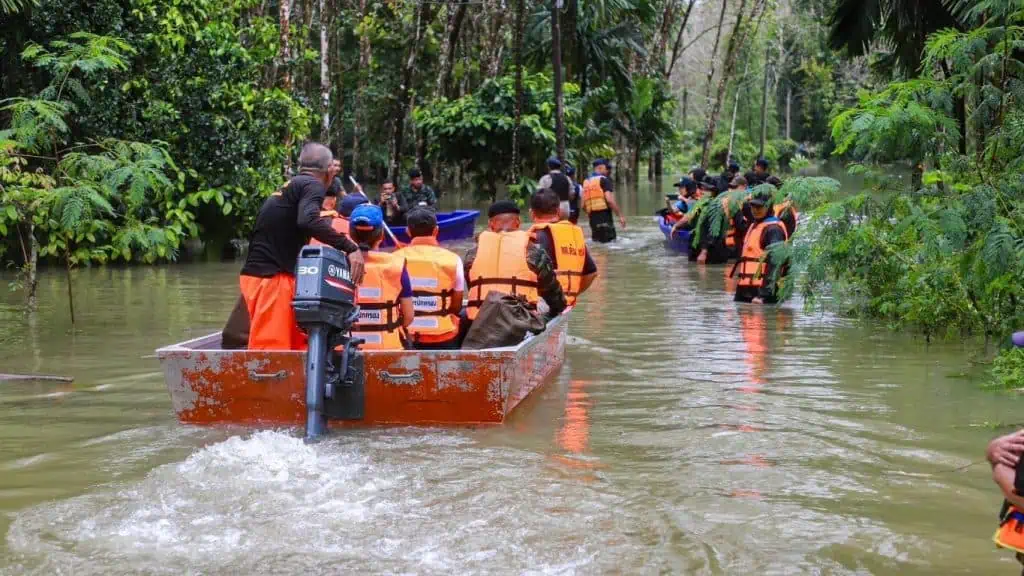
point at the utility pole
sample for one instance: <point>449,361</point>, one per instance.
<point>556,64</point>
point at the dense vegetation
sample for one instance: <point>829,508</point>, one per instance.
<point>130,128</point>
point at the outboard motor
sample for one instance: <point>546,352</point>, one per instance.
<point>325,309</point>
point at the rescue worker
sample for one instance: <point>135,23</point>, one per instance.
<point>761,170</point>
<point>564,243</point>
<point>558,182</point>
<point>785,210</point>
<point>755,282</point>
<point>384,295</point>
<point>506,259</point>
<point>599,203</point>
<point>339,218</point>
<point>285,223</point>
<point>737,227</point>
<point>418,193</point>
<point>574,196</point>
<point>1004,454</point>
<point>438,283</point>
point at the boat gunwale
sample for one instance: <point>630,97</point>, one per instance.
<point>514,351</point>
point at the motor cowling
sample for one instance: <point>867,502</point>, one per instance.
<point>325,309</point>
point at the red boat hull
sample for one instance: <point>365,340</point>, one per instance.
<point>209,386</point>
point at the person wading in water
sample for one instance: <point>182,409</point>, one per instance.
<point>599,203</point>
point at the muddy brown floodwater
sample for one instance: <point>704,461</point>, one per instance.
<point>685,434</point>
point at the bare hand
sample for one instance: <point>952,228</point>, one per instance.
<point>757,301</point>
<point>702,257</point>
<point>622,221</point>
<point>1006,450</point>
<point>356,263</point>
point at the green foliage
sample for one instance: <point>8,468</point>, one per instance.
<point>477,129</point>
<point>1008,369</point>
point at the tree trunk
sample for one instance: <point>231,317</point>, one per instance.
<point>405,91</point>
<point>325,74</point>
<point>764,109</point>
<point>961,119</point>
<point>735,109</point>
<point>659,164</point>
<point>67,272</point>
<point>30,258</point>
<point>714,55</point>
<point>789,112</point>
<point>650,168</point>
<point>286,79</point>
<point>359,106</point>
<point>686,94</point>
<point>569,24</point>
<point>517,48</point>
<point>676,52</point>
<point>656,60</point>
<point>448,43</point>
<point>556,67</point>
<point>735,44</point>
<point>495,42</point>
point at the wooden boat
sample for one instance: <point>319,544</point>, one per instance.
<point>260,388</point>
<point>680,242</point>
<point>456,225</point>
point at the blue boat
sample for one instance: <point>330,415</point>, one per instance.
<point>680,242</point>
<point>457,225</point>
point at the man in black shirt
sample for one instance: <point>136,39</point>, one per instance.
<point>558,182</point>
<point>286,222</point>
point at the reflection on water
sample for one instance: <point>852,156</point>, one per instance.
<point>685,434</point>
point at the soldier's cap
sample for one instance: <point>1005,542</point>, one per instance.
<point>503,207</point>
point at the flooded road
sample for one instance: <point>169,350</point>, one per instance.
<point>685,434</point>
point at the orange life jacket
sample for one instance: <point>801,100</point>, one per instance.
<point>338,222</point>
<point>1011,531</point>
<point>593,195</point>
<point>569,257</point>
<point>730,235</point>
<point>780,209</point>
<point>752,264</point>
<point>501,266</point>
<point>380,322</point>
<point>432,271</point>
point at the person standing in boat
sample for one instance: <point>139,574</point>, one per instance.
<point>599,202</point>
<point>385,293</point>
<point>756,281</point>
<point>508,260</point>
<point>418,193</point>
<point>438,283</point>
<point>574,195</point>
<point>285,223</point>
<point>560,183</point>
<point>564,243</point>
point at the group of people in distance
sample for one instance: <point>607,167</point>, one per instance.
<point>412,297</point>
<point>753,223</point>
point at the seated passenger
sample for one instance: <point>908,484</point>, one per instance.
<point>564,243</point>
<point>506,259</point>
<point>755,282</point>
<point>339,218</point>
<point>1004,454</point>
<point>438,283</point>
<point>385,294</point>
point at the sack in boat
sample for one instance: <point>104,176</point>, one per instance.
<point>236,332</point>
<point>503,320</point>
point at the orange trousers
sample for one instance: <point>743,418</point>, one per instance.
<point>272,323</point>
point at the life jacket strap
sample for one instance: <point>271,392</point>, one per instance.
<point>392,322</point>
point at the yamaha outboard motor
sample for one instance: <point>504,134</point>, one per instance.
<point>325,309</point>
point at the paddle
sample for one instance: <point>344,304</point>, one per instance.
<point>398,244</point>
